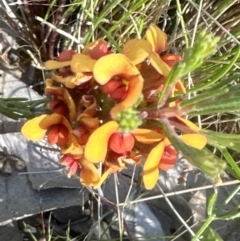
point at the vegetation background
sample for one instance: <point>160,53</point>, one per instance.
<point>45,28</point>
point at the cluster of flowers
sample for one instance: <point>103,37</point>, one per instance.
<point>98,108</point>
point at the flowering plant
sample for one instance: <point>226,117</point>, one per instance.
<point>126,108</point>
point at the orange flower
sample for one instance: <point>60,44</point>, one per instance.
<point>89,174</point>
<point>62,100</point>
<point>108,136</point>
<point>85,82</point>
<point>74,68</point>
<point>81,66</point>
<point>87,123</point>
<point>117,65</point>
<point>96,49</point>
<point>155,42</point>
<point>157,157</point>
<point>137,50</point>
<point>57,129</point>
<point>65,55</point>
<point>117,162</point>
<point>36,128</point>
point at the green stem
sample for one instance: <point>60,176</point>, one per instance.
<point>204,227</point>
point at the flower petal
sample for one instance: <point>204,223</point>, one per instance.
<point>58,134</point>
<point>66,55</point>
<point>188,123</point>
<point>121,143</point>
<point>97,145</point>
<point>159,64</point>
<point>64,94</point>
<point>96,49</point>
<point>89,103</point>
<point>103,178</point>
<point>89,174</point>
<point>73,147</point>
<point>195,140</point>
<point>32,129</point>
<point>150,168</point>
<point>54,64</point>
<point>135,87</point>
<point>54,119</point>
<point>171,59</point>
<point>147,136</point>
<point>180,86</point>
<point>88,121</point>
<point>168,159</point>
<point>137,50</point>
<point>82,63</point>
<point>112,65</point>
<point>72,169</point>
<point>157,38</point>
<point>71,81</point>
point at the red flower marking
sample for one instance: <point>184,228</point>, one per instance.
<point>168,158</point>
<point>58,134</point>
<point>171,59</point>
<point>58,106</point>
<point>82,134</point>
<point>70,162</point>
<point>99,50</point>
<point>66,55</point>
<point>121,143</point>
<point>116,88</point>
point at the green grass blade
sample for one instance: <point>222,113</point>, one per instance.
<point>231,161</point>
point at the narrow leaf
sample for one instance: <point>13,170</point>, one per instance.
<point>210,235</point>
<point>211,201</point>
<point>222,140</point>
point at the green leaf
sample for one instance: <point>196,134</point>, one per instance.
<point>220,104</point>
<point>222,140</point>
<point>210,235</point>
<point>235,170</point>
<point>9,114</point>
<point>203,97</point>
<point>211,201</point>
<point>225,81</point>
<point>14,99</point>
<point>232,214</point>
